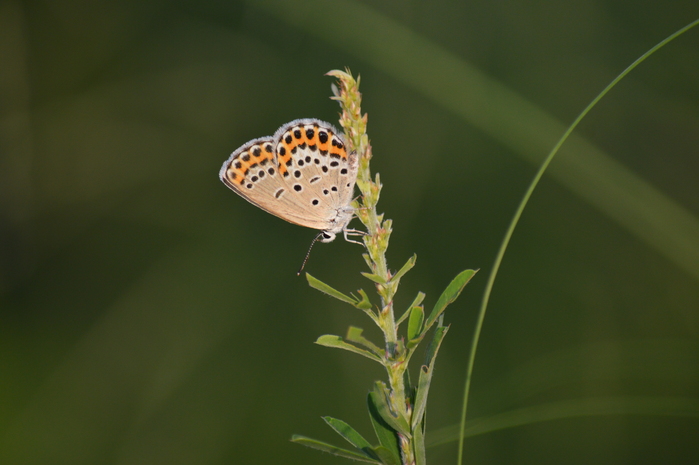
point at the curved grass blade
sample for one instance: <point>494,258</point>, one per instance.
<point>518,214</point>
<point>499,111</point>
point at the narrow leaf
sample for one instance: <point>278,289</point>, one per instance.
<point>329,340</point>
<point>426,370</point>
<point>354,334</point>
<point>365,303</point>
<point>418,300</point>
<point>374,277</point>
<point>322,287</point>
<point>417,316</point>
<point>386,456</point>
<point>329,448</point>
<point>351,435</point>
<point>407,267</point>
<point>386,435</point>
<point>449,295</point>
<point>395,421</point>
<point>419,446</point>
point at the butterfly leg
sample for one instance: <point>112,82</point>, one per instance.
<point>353,232</point>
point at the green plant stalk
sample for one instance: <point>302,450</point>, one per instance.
<point>518,214</point>
<point>376,241</point>
<point>397,410</point>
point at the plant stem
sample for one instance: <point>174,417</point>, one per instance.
<point>376,241</point>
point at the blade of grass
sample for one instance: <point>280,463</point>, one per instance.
<point>518,214</point>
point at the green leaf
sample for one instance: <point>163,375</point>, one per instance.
<point>365,303</point>
<point>374,277</point>
<point>426,370</point>
<point>417,316</point>
<point>394,420</point>
<point>449,295</point>
<point>329,448</point>
<point>386,435</point>
<point>418,300</point>
<point>386,455</point>
<point>407,267</point>
<point>329,340</point>
<point>354,334</point>
<point>351,436</point>
<point>419,446</point>
<point>322,287</point>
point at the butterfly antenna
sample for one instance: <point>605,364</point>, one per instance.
<point>308,254</point>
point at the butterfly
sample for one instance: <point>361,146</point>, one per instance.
<point>302,174</point>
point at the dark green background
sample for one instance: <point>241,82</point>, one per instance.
<point>149,315</point>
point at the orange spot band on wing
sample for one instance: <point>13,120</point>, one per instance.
<point>239,167</point>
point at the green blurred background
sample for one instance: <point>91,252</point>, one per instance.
<point>149,315</point>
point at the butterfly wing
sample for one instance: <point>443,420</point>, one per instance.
<point>302,174</point>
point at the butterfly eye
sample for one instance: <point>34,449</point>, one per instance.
<point>327,236</point>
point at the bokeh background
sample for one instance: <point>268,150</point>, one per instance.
<point>148,315</point>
